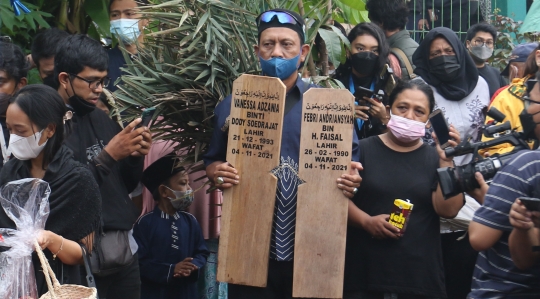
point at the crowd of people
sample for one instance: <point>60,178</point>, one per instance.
<point>483,243</point>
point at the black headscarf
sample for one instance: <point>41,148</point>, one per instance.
<point>464,83</point>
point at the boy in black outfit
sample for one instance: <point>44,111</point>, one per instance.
<point>171,245</point>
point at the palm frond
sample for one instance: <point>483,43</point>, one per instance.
<point>190,60</point>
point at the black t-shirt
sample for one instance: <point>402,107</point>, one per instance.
<point>493,78</point>
<point>412,264</point>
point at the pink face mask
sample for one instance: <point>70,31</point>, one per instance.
<point>406,130</point>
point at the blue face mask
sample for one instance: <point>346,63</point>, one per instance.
<point>126,29</point>
<point>279,67</point>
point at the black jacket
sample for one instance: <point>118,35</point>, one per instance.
<point>90,133</point>
<point>373,126</point>
<point>75,208</point>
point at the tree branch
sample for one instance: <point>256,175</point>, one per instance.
<point>310,64</point>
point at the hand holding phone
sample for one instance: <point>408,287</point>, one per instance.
<point>362,93</point>
<point>440,127</point>
<point>146,117</point>
<point>532,204</point>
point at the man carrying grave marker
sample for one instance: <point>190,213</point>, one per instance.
<point>281,49</point>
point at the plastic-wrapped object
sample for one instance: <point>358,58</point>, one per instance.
<point>26,202</point>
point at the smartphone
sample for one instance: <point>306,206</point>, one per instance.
<point>440,127</point>
<point>146,116</point>
<point>362,92</point>
<point>531,203</point>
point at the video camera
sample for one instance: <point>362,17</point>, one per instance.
<point>459,179</point>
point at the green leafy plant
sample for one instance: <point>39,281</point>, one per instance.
<point>21,28</point>
<point>507,39</point>
<point>194,54</point>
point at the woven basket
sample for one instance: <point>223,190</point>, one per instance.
<point>58,291</point>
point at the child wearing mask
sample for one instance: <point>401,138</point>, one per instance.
<point>171,245</point>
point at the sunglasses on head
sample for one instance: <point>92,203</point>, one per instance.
<point>282,17</point>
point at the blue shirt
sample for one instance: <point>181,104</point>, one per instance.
<point>495,275</point>
<point>116,61</point>
<point>165,240</point>
<point>282,243</point>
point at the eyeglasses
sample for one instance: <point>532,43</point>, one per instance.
<point>481,43</point>
<point>95,84</point>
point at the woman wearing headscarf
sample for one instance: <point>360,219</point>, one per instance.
<point>442,61</point>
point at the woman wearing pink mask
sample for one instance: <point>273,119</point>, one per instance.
<point>380,262</point>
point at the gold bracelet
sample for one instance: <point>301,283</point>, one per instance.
<point>61,247</point>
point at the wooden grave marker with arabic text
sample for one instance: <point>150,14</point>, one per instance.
<point>321,215</point>
<point>253,148</point>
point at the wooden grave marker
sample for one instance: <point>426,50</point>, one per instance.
<point>321,215</point>
<point>255,128</point>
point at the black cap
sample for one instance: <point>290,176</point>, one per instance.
<point>299,27</point>
<point>160,171</point>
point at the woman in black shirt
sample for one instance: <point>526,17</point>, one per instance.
<point>398,165</point>
<point>35,119</point>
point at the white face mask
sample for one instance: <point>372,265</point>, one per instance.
<point>126,29</point>
<point>183,199</point>
<point>26,148</point>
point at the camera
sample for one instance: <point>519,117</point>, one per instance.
<point>459,179</point>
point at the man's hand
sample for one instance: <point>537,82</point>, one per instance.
<point>423,24</point>
<point>226,176</point>
<point>523,219</point>
<point>379,227</point>
<point>146,144</point>
<point>128,141</point>
<point>479,193</point>
<point>184,268</point>
<point>350,181</point>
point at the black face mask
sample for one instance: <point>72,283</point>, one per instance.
<point>79,105</point>
<point>364,62</point>
<point>444,67</point>
<point>4,103</point>
<point>49,81</point>
<point>528,124</point>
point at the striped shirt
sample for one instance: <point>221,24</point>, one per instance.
<point>495,275</point>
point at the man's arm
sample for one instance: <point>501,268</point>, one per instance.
<point>521,243</point>
<point>483,237</point>
<point>491,220</point>
<point>524,236</point>
<point>122,145</point>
